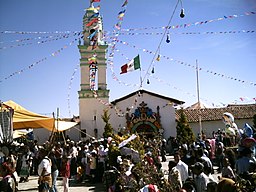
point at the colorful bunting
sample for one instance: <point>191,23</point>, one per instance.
<point>93,16</point>
<point>92,35</point>
<point>125,3</point>
<point>192,33</point>
<point>92,22</point>
<point>247,99</point>
<point>193,24</point>
<point>121,12</point>
<point>92,60</point>
<point>113,42</point>
<point>186,64</point>
<point>69,87</point>
<point>55,53</point>
<point>48,39</point>
<point>176,88</point>
<point>36,32</point>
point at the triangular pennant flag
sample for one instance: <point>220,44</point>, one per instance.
<point>125,3</point>
<point>121,12</point>
<point>91,22</point>
<point>92,35</point>
<point>93,15</point>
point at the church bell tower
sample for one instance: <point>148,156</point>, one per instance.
<point>93,74</point>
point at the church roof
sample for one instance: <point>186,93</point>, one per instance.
<point>215,114</point>
<point>175,101</point>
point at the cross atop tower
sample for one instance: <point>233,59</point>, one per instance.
<point>91,3</point>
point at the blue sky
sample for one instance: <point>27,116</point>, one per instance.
<point>52,82</point>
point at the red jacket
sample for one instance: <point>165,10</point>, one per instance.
<point>65,169</point>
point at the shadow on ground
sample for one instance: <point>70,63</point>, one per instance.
<point>96,187</point>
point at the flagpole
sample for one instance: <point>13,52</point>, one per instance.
<point>198,99</point>
<point>140,79</point>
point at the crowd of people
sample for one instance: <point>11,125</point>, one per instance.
<point>69,160</point>
<point>132,166</point>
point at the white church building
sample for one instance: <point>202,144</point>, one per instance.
<point>141,111</point>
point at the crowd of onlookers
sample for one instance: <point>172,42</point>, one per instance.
<point>234,158</point>
<point>81,161</point>
<point>192,169</point>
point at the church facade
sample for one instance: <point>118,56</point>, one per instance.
<point>141,111</point>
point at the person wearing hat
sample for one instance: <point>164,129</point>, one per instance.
<point>242,163</point>
<point>201,179</point>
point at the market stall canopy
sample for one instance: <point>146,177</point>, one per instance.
<point>22,118</point>
<point>21,133</point>
<point>63,125</point>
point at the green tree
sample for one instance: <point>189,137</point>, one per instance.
<point>183,129</point>
<point>108,130</point>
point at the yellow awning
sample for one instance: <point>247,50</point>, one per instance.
<point>22,118</point>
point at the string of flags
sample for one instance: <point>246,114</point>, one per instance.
<point>91,21</point>
<point>162,81</point>
<point>53,54</point>
<point>58,37</point>
<point>246,99</point>
<point>30,39</point>
<point>92,61</point>
<point>187,64</point>
<point>116,31</point>
<point>37,32</point>
<point>48,39</point>
<point>195,23</point>
<point>70,86</point>
<point>118,27</point>
<point>192,33</point>
<point>118,111</point>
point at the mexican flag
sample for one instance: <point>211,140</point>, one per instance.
<point>131,66</point>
